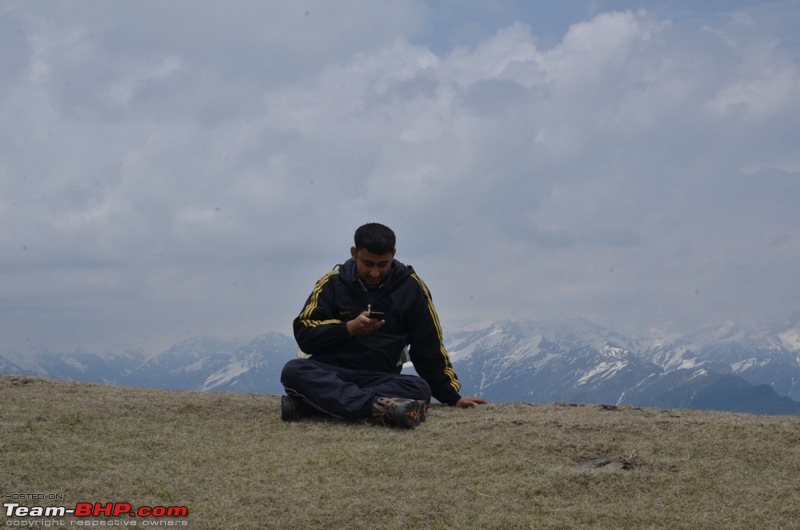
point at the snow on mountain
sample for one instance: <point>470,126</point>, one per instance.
<point>732,342</point>
<point>255,366</point>
<point>670,357</point>
<point>601,371</point>
<point>82,365</point>
<point>184,366</point>
<point>760,354</point>
<point>788,333</point>
<point>226,375</point>
<point>790,339</point>
<point>7,366</point>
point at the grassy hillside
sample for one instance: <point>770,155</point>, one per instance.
<point>234,464</point>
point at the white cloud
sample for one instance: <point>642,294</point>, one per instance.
<point>195,167</point>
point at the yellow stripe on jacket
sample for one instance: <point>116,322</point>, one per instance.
<point>313,303</point>
<point>451,374</point>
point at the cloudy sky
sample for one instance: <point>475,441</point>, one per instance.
<point>173,169</point>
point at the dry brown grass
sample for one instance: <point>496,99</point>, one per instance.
<point>235,464</point>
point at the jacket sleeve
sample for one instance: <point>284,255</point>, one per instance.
<point>316,328</point>
<point>427,350</point>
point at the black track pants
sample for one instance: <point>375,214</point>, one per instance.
<point>347,393</point>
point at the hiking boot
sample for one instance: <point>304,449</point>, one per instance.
<point>293,409</point>
<point>406,413</point>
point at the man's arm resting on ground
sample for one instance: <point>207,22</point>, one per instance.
<point>467,402</point>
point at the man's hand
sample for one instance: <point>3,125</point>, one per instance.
<point>363,325</point>
<point>469,401</point>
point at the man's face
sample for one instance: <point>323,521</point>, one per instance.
<point>371,268</point>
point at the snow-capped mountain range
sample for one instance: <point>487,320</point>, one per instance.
<point>727,367</point>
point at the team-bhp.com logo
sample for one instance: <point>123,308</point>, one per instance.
<point>93,510</point>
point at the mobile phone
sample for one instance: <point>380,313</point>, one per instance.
<point>377,315</point>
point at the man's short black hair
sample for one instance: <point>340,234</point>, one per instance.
<point>375,238</point>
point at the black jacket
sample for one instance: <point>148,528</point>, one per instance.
<point>320,328</point>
